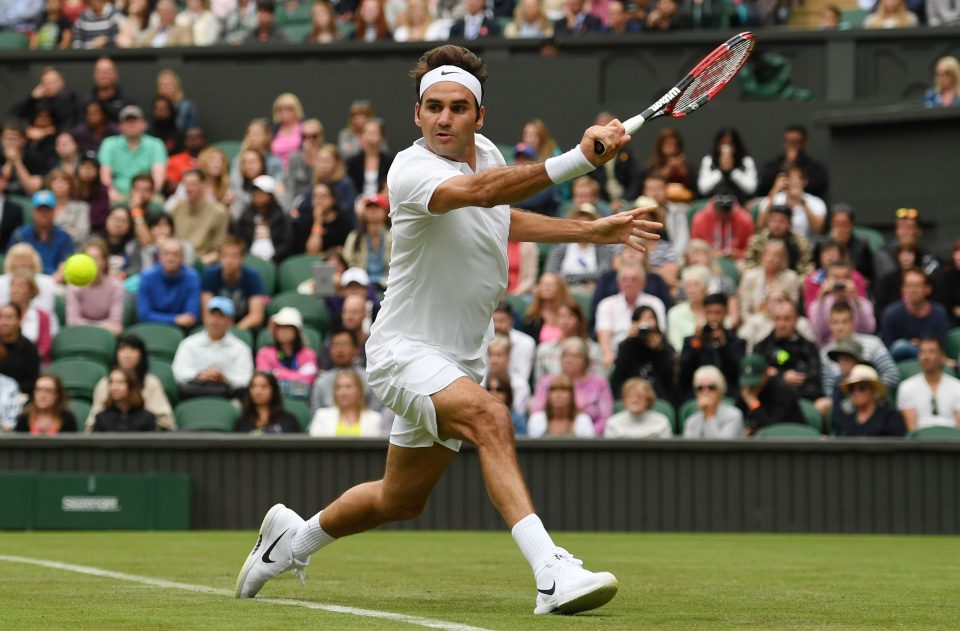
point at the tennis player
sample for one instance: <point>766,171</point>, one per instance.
<point>450,195</point>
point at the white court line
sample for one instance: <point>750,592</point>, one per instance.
<point>214,591</point>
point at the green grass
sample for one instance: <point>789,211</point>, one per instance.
<point>667,582</point>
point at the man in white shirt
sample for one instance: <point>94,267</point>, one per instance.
<point>449,197</point>
<point>213,361</point>
<point>615,313</point>
<point>809,211</point>
<point>930,397</point>
<point>523,348</point>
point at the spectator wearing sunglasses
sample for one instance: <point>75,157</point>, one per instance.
<point>499,385</point>
<point>931,397</point>
<point>864,411</point>
<point>714,417</point>
<point>907,233</point>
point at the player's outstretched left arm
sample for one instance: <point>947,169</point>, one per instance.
<point>618,228</point>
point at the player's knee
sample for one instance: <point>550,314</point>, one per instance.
<point>495,427</point>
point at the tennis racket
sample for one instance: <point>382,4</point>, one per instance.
<point>700,85</point>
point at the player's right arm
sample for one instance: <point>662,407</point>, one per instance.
<point>508,185</point>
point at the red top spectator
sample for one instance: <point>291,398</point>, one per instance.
<point>725,225</point>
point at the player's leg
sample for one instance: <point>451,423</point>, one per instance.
<point>286,541</point>
<point>468,412</point>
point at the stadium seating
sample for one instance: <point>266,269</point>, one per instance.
<point>11,40</point>
<point>230,147</point>
<point>267,271</point>
<point>79,376</point>
<point>164,372</point>
<point>664,407</point>
<point>299,409</point>
<point>206,414</point>
<point>935,433</point>
<point>129,309</point>
<point>297,269</point>
<point>296,32</point>
<point>161,340</point>
<point>60,308</point>
<point>787,430</point>
<point>86,342</point>
<point>81,410</point>
<point>811,415</point>
<point>314,311</point>
<point>953,343</point>
<point>908,368</point>
<point>874,238</point>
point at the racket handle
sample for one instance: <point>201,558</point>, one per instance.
<point>630,126</point>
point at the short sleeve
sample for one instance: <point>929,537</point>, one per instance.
<point>414,176</point>
<point>906,396</point>
<point>253,282</point>
<point>604,318</point>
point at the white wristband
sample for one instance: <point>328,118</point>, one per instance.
<point>568,166</point>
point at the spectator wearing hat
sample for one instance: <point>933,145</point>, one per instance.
<point>370,245</point>
<point>779,227</point>
<point>265,31</point>
<point>712,344</point>
<point>932,397</point>
<point>213,362</point>
<point>916,316</point>
<point>242,285</point>
<point>289,359</point>
<point>794,358</point>
<point>547,201</point>
<point>368,168</point>
<point>869,350</point>
<point>907,235</point>
<point>169,292</point>
<point>263,224</point>
<point>476,22</point>
<point>51,242</point>
<point>581,264</point>
<point>522,346</point>
<point>129,153</point>
<point>764,397</point>
<point>714,418</point>
<point>11,216</point>
<point>344,351</point>
<point>865,411</point>
<point>354,282</point>
<point>725,225</point>
<point>200,220</point>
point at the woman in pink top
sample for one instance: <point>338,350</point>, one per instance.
<point>289,359</point>
<point>287,114</point>
<point>591,393</point>
<point>101,302</point>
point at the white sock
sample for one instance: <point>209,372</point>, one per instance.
<point>309,538</point>
<point>533,539</point>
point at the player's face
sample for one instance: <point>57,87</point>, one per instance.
<point>449,118</point>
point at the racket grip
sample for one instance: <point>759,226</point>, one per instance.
<point>599,148</point>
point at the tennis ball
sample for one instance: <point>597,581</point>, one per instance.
<point>80,270</point>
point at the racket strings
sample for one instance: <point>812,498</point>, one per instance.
<point>716,74</point>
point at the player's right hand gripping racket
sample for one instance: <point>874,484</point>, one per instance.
<point>699,86</point>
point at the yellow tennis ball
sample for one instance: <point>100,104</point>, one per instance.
<point>80,270</point>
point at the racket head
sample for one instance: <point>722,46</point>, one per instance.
<point>712,75</point>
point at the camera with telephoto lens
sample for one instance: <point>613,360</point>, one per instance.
<point>644,331</point>
<point>724,202</point>
<point>839,287</point>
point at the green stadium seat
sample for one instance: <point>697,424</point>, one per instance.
<point>811,415</point>
<point>519,304</point>
<point>908,368</point>
<point>25,204</point>
<point>299,14</point>
<point>164,372</point>
<point>86,342</point>
<point>60,308</point>
<point>267,270</point>
<point>79,376</point>
<point>299,409</point>
<point>296,33</point>
<point>229,147</point>
<point>313,310</point>
<point>942,433</point>
<point>314,339</point>
<point>81,410</point>
<point>586,304</point>
<point>665,408</point>
<point>206,414</point>
<point>729,268</point>
<point>854,18</point>
<point>12,40</point>
<point>787,430</point>
<point>696,206</point>
<point>297,269</point>
<point>129,309</point>
<point>161,340</point>
<point>953,343</point>
<point>874,238</point>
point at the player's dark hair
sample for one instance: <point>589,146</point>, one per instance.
<point>449,55</point>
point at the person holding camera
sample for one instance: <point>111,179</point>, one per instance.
<point>711,345</point>
<point>808,212</point>
<point>839,287</point>
<point>645,353</point>
<point>724,224</point>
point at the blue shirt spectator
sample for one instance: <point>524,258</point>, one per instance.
<point>169,293</point>
<point>906,321</point>
<point>240,284</point>
<point>51,242</point>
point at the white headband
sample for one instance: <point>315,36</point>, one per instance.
<point>455,74</point>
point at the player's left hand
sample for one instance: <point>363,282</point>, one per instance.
<point>619,228</point>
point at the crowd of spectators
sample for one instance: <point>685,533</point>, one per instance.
<point>764,302</point>
<point>99,24</point>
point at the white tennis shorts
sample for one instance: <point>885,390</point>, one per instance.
<point>403,375</point>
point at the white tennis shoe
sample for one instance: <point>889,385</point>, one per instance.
<point>564,587</point>
<point>273,554</point>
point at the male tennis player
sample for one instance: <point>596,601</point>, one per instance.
<point>450,194</point>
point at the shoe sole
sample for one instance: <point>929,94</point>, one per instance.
<point>597,597</point>
<point>266,525</point>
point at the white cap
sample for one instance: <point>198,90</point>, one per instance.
<point>355,275</point>
<point>265,183</point>
<point>288,316</point>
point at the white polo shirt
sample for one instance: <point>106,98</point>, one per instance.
<point>915,394</point>
<point>799,223</point>
<point>447,271</point>
<point>615,315</point>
